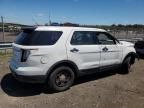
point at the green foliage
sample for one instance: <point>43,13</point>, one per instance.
<point>135,27</point>
<point>113,27</point>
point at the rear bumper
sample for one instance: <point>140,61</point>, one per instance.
<point>27,78</point>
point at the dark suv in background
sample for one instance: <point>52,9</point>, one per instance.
<point>139,46</point>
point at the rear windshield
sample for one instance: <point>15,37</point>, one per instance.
<point>38,37</point>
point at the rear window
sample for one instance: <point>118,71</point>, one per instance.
<point>38,37</point>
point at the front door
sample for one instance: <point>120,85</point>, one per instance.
<point>111,51</point>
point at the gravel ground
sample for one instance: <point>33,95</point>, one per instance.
<point>105,90</point>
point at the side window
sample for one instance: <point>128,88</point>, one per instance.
<point>105,39</point>
<point>84,38</point>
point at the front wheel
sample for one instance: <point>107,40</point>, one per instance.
<point>61,78</point>
<point>126,66</point>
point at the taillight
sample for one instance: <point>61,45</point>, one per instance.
<point>25,54</point>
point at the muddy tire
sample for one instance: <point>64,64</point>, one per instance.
<point>61,79</point>
<point>126,66</point>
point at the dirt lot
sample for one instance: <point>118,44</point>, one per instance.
<point>106,90</point>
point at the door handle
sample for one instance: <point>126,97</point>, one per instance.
<point>74,50</point>
<point>105,49</point>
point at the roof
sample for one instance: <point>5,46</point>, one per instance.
<point>58,28</point>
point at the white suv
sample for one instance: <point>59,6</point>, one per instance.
<point>57,55</point>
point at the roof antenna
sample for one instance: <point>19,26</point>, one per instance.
<point>49,19</point>
<point>35,22</point>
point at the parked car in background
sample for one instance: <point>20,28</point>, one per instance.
<point>58,55</point>
<point>139,46</point>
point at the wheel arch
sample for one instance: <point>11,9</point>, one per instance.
<point>68,63</point>
<point>131,54</point>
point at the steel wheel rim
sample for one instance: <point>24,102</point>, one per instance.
<point>62,78</point>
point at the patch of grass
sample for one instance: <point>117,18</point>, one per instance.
<point>5,57</point>
<point>5,52</point>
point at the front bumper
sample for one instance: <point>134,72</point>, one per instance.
<point>27,78</point>
<point>140,51</point>
<point>136,56</point>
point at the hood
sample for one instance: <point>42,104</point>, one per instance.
<point>129,44</point>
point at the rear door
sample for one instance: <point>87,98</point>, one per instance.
<point>83,49</point>
<point>111,51</point>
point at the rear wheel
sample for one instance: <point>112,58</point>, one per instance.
<point>61,78</point>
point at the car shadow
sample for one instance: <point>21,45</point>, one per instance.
<point>17,89</point>
<point>95,76</point>
<point>12,87</point>
<point>141,57</point>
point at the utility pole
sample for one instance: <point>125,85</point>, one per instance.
<point>3,30</point>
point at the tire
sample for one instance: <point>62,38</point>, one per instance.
<point>61,79</point>
<point>126,66</point>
